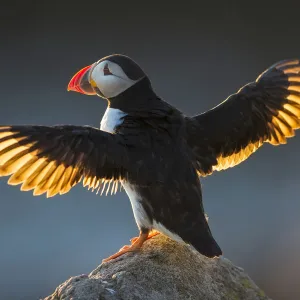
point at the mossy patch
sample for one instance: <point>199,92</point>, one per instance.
<point>246,283</point>
<point>232,295</point>
<point>261,294</point>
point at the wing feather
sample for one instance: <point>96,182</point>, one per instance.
<point>264,111</point>
<point>53,159</point>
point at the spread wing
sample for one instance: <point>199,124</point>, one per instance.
<point>267,110</point>
<point>54,159</point>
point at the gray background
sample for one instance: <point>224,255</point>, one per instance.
<point>195,56</point>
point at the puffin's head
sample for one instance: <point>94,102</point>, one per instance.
<point>108,77</point>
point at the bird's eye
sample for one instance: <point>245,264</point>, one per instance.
<point>106,70</point>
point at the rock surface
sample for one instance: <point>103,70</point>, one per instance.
<point>162,270</point>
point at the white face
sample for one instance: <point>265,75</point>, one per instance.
<point>110,79</point>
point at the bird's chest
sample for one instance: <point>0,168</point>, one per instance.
<point>112,118</point>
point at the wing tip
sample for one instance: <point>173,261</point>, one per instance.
<point>285,63</point>
<point>5,127</point>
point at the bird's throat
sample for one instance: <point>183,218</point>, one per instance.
<point>138,97</point>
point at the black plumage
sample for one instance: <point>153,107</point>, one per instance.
<point>157,150</point>
<point>54,159</point>
<point>267,110</point>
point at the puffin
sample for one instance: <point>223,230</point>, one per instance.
<point>150,148</point>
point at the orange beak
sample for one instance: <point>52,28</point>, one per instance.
<point>80,82</point>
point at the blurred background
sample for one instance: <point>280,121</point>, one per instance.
<point>195,55</point>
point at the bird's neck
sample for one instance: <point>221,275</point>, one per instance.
<point>139,97</point>
<point>139,107</point>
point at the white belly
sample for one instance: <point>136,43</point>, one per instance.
<point>140,214</point>
<point>111,119</point>
<point>162,229</point>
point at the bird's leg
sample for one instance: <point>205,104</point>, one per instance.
<point>151,234</point>
<point>135,246</point>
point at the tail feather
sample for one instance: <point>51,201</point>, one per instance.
<point>207,246</point>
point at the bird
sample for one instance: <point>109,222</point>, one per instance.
<point>152,149</point>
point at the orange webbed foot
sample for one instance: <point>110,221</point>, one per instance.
<point>151,234</point>
<point>136,244</point>
<point>123,250</point>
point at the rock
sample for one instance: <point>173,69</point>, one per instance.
<point>162,270</point>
